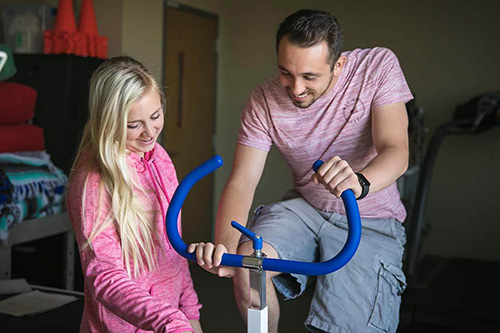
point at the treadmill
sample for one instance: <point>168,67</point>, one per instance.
<point>447,294</point>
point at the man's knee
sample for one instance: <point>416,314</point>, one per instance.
<point>246,249</point>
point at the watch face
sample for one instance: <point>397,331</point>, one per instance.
<point>362,180</point>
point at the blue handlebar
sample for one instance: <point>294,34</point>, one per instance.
<point>317,164</point>
<point>277,265</point>
<point>256,239</point>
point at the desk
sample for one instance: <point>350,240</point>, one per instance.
<point>63,319</point>
<point>36,229</point>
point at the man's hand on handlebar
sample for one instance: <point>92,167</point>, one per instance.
<point>337,176</point>
<point>209,257</point>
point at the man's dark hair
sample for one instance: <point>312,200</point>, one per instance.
<point>308,27</point>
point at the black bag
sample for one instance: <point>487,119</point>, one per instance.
<point>480,113</point>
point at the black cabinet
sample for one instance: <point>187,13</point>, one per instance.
<point>62,82</point>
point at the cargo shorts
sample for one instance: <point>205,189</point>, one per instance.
<point>362,296</point>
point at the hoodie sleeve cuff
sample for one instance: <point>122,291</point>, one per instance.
<point>191,312</point>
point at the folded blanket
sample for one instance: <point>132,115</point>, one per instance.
<point>31,176</point>
<point>6,188</point>
<point>21,137</point>
<point>16,212</point>
<point>31,186</point>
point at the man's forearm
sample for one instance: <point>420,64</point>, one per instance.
<point>390,163</point>
<point>234,205</point>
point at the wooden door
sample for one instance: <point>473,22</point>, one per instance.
<point>188,136</point>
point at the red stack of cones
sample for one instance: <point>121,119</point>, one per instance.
<point>96,46</point>
<point>66,39</point>
<point>63,39</point>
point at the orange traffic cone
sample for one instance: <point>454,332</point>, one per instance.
<point>64,38</point>
<point>87,23</point>
<point>94,45</point>
<point>65,19</point>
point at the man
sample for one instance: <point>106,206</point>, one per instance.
<point>347,109</point>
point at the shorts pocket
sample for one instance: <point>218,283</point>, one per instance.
<point>391,284</point>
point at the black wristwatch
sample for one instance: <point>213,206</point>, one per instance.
<point>365,185</point>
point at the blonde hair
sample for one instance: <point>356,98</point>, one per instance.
<point>114,87</point>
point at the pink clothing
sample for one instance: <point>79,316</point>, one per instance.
<point>162,300</point>
<point>337,123</point>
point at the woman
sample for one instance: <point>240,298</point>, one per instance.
<point>120,187</point>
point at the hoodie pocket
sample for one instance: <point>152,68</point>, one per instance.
<point>385,311</point>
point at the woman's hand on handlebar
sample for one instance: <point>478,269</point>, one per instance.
<point>337,176</point>
<point>209,257</point>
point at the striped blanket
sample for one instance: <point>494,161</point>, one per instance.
<point>31,186</point>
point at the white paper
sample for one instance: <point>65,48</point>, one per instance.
<point>14,286</point>
<point>33,302</point>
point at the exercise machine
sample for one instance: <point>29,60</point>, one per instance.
<point>257,263</point>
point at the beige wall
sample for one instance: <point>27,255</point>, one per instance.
<point>448,50</point>
<point>142,32</point>
<point>109,23</point>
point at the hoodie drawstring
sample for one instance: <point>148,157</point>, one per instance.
<point>157,193</point>
<point>162,185</point>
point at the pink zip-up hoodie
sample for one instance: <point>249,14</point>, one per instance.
<point>162,300</point>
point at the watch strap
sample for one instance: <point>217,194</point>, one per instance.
<point>365,185</point>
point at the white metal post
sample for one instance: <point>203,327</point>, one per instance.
<point>257,311</point>
<point>257,320</point>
